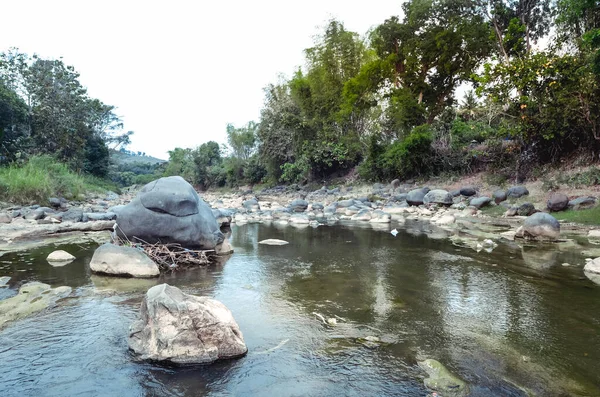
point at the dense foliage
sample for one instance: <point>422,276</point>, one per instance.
<point>450,86</point>
<point>44,110</point>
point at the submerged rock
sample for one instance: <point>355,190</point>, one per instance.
<point>184,329</point>
<point>118,260</point>
<point>443,381</point>
<point>32,298</point>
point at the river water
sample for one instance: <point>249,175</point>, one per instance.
<point>510,322</point>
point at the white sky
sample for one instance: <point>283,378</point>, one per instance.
<point>179,71</point>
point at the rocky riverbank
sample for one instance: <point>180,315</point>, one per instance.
<point>469,216</point>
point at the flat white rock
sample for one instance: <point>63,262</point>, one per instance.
<point>273,241</point>
<point>60,256</point>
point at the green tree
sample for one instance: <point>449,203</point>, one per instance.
<point>420,62</point>
<point>243,141</point>
<point>208,160</point>
<point>13,124</point>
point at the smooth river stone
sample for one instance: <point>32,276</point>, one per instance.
<point>273,241</point>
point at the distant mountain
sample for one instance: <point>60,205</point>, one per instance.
<point>129,157</point>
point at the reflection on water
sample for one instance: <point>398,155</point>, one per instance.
<point>510,322</point>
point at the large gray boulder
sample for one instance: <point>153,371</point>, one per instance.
<point>479,202</point>
<point>540,226</point>
<point>468,191</point>
<point>251,205</point>
<point>517,191</point>
<point>298,205</point>
<point>416,196</point>
<point>581,203</point>
<point>592,270</point>
<point>558,202</point>
<point>169,210</point>
<point>124,261</point>
<point>184,329</point>
<point>526,209</point>
<point>499,196</point>
<point>32,298</point>
<point>438,196</point>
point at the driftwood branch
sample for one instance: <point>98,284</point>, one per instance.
<point>170,257</point>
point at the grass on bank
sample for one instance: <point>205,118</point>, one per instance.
<point>43,177</point>
<point>587,217</point>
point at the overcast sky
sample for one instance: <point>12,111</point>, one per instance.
<point>179,71</point>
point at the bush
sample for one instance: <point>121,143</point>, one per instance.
<point>412,156</point>
<point>42,177</point>
<point>294,172</point>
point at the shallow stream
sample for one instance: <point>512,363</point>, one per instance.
<point>513,322</point>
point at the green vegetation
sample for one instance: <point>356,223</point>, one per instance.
<point>587,217</point>
<point>54,138</point>
<point>386,103</point>
<point>383,105</point>
<point>43,177</point>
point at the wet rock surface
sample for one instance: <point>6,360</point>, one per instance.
<point>184,329</point>
<point>123,261</point>
<point>33,297</point>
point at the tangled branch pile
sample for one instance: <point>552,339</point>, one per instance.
<point>170,257</point>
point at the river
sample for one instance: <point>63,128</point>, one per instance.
<point>513,322</point>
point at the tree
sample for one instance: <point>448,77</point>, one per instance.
<point>420,62</point>
<point>243,140</point>
<point>207,159</point>
<point>13,121</point>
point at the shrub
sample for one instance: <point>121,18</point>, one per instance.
<point>412,156</point>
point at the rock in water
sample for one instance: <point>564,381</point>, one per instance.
<point>122,261</point>
<point>443,381</point>
<point>540,226</point>
<point>592,270</point>
<point>60,256</point>
<point>32,298</point>
<point>184,329</point>
<point>273,241</point>
<point>169,210</point>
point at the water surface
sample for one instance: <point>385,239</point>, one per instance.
<point>509,322</point>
